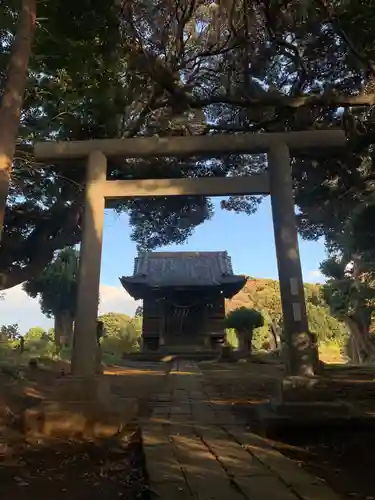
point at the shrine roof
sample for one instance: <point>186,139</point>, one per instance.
<point>181,269</point>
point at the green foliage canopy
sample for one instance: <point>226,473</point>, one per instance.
<point>39,343</point>
<point>244,319</point>
<point>9,332</point>
<point>122,333</point>
<point>350,291</point>
<point>35,333</point>
<point>56,287</point>
<point>114,69</point>
<point>263,295</point>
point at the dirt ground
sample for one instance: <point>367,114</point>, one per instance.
<point>71,470</point>
<point>344,459</point>
<point>82,470</point>
<point>76,471</point>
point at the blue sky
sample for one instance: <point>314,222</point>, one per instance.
<point>248,240</point>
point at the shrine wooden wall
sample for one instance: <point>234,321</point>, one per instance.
<point>215,316</point>
<point>151,318</point>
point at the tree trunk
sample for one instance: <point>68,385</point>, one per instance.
<point>353,351</point>
<point>98,359</point>
<point>63,329</point>
<point>12,100</point>
<point>244,341</point>
<point>57,333</point>
<point>360,347</point>
<point>274,336</point>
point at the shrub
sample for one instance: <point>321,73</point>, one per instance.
<point>244,321</point>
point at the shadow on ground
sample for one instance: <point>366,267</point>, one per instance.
<point>343,458</point>
<point>73,469</point>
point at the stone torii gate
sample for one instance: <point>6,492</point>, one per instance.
<point>277,182</point>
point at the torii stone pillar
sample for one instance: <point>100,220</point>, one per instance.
<point>300,351</point>
<point>163,313</point>
<point>84,340</point>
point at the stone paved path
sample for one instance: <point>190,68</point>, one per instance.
<point>195,449</point>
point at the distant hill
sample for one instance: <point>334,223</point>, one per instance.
<point>264,296</point>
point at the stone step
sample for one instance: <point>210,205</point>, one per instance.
<point>278,418</point>
<point>169,355</point>
<point>189,351</point>
<point>297,389</point>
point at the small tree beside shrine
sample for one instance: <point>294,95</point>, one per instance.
<point>244,321</point>
<point>56,288</point>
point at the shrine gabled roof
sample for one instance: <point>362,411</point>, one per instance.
<point>183,268</point>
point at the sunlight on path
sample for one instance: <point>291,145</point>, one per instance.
<point>195,448</point>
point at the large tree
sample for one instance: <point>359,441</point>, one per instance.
<point>71,74</point>
<point>15,80</point>
<point>137,68</point>
<point>56,288</point>
<point>335,194</point>
<point>350,293</point>
<point>9,332</point>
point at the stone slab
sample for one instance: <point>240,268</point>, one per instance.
<point>281,466</point>
<point>161,464</point>
<point>154,434</point>
<point>181,420</point>
<point>236,461</point>
<point>163,398</point>
<point>171,491</point>
<point>161,412</point>
<point>264,488</point>
<point>203,413</point>
<point>205,453</point>
<point>205,477</point>
<point>202,468</point>
<point>181,428</point>
<point>180,409</point>
<point>315,492</point>
<point>224,418</point>
<point>195,458</point>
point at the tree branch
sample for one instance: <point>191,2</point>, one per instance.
<point>42,243</point>
<point>278,100</point>
<point>335,23</point>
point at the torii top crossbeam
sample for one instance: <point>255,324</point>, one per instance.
<point>214,145</point>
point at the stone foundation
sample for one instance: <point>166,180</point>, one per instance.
<point>80,420</point>
<point>275,419</point>
<point>310,389</point>
<point>80,408</point>
<point>309,402</point>
<point>71,388</point>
